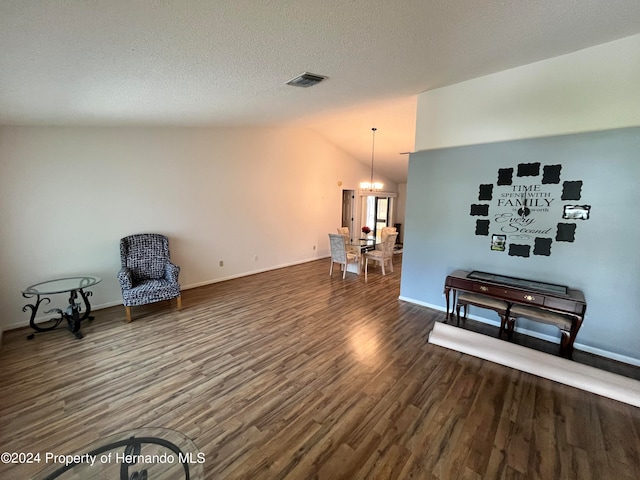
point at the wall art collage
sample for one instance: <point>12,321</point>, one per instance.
<point>526,214</point>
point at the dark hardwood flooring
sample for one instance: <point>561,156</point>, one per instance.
<point>292,374</point>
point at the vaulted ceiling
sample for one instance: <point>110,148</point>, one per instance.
<point>225,63</point>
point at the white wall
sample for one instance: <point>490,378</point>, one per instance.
<point>69,194</point>
<point>593,89</point>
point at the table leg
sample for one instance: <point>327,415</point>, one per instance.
<point>72,314</point>
<point>567,339</point>
<point>34,310</point>
<point>87,305</point>
<point>446,296</point>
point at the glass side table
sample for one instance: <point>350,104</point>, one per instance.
<point>142,454</point>
<point>72,285</point>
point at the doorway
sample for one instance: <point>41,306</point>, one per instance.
<point>377,214</point>
<point>348,211</point>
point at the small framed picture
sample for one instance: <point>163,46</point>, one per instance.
<point>576,212</point>
<point>498,242</point>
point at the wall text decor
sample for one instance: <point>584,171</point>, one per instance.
<point>525,214</point>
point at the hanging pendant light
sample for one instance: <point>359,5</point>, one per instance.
<point>371,185</point>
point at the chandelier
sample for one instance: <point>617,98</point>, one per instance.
<point>371,185</point>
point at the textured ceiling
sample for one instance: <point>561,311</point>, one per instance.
<point>224,63</point>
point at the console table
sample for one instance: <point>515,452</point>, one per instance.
<point>71,285</point>
<point>519,291</point>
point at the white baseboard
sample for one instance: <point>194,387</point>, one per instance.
<point>42,318</point>
<point>554,368</point>
<point>549,338</point>
<point>45,317</point>
<point>252,272</point>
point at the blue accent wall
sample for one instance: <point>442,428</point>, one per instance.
<point>603,261</point>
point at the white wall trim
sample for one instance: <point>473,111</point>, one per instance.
<point>42,318</point>
<point>578,346</point>
<point>253,272</point>
<point>554,368</point>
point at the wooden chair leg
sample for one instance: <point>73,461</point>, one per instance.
<point>128,311</point>
<point>507,323</point>
<point>344,271</point>
<point>366,268</point>
<point>331,269</point>
<point>466,313</point>
<point>503,325</point>
<point>511,325</point>
<point>179,302</point>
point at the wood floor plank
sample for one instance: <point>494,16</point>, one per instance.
<point>291,374</point>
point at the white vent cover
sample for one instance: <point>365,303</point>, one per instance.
<point>306,80</point>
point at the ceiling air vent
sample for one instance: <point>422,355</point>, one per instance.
<point>306,80</point>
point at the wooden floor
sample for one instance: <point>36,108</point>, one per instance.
<point>292,374</point>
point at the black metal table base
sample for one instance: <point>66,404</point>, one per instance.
<point>71,314</point>
<point>141,454</point>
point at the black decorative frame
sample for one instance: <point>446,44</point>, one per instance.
<point>482,227</point>
<point>545,175</point>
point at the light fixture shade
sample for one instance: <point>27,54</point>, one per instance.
<point>371,186</point>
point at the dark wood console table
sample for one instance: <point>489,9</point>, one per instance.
<point>545,296</point>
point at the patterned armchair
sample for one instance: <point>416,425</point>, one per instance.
<point>147,274</point>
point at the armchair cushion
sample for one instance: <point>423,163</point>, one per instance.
<point>150,291</point>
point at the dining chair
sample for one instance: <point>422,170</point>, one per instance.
<point>384,233</point>
<point>340,254</point>
<point>344,231</point>
<point>383,256</point>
